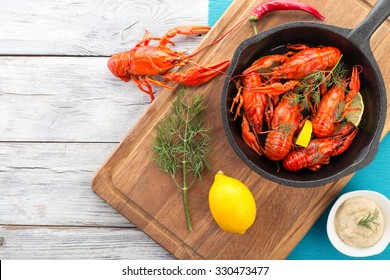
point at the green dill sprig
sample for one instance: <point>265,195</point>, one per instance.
<point>370,220</point>
<point>310,86</point>
<point>182,144</point>
<point>293,98</point>
<point>339,111</point>
<point>338,75</point>
<point>285,128</point>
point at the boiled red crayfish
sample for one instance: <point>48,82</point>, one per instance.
<point>143,61</point>
<point>252,103</point>
<point>306,62</point>
<point>319,150</point>
<point>333,106</point>
<point>294,66</point>
<point>286,120</point>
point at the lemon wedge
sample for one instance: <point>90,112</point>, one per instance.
<point>356,110</point>
<point>304,135</point>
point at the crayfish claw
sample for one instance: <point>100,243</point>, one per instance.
<point>354,84</point>
<point>249,137</point>
<point>197,75</point>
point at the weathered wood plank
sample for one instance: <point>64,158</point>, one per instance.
<point>90,27</point>
<point>18,242</point>
<point>65,99</point>
<point>50,184</point>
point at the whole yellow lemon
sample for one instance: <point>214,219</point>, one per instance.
<point>232,204</point>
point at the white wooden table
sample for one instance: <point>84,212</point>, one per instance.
<point>61,115</point>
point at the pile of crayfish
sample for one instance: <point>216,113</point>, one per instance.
<point>279,92</point>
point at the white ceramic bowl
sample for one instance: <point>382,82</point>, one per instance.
<point>383,202</point>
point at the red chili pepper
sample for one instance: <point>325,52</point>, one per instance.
<point>271,6</point>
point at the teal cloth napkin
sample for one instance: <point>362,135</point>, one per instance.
<point>315,245</point>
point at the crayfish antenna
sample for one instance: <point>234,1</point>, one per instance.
<point>217,40</point>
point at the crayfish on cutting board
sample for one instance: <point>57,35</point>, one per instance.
<point>144,61</point>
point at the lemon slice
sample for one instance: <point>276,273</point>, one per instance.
<point>304,135</point>
<point>356,110</point>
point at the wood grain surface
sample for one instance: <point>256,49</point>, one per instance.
<point>62,113</point>
<point>90,28</point>
<point>133,184</point>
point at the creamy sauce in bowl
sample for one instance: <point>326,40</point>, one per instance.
<point>359,222</point>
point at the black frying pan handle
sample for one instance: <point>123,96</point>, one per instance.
<point>379,13</point>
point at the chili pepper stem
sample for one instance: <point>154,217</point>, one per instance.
<point>254,27</point>
<point>187,211</point>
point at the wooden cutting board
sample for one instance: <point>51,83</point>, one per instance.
<point>131,183</point>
